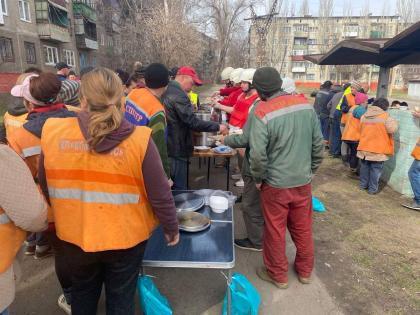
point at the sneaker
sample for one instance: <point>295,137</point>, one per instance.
<point>413,206</point>
<point>304,280</point>
<point>42,252</point>
<point>236,176</point>
<point>245,243</point>
<point>373,192</point>
<point>240,183</point>
<point>62,303</point>
<point>263,274</point>
<point>30,250</point>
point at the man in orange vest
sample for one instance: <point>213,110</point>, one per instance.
<point>22,208</point>
<point>414,172</point>
<point>143,107</point>
<point>376,144</point>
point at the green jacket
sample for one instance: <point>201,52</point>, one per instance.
<point>286,144</point>
<point>242,141</point>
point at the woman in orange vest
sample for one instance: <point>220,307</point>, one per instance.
<point>108,191</point>
<point>22,208</point>
<point>376,143</point>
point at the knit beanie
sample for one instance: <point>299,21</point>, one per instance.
<point>156,76</point>
<point>267,80</point>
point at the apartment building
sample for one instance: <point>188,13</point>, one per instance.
<point>289,38</point>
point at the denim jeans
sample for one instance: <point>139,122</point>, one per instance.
<point>335,146</point>
<point>5,312</point>
<point>117,269</point>
<point>39,239</point>
<point>414,176</point>
<point>325,127</point>
<point>179,173</point>
<point>370,173</point>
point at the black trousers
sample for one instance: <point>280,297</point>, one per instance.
<point>118,270</point>
<point>353,159</point>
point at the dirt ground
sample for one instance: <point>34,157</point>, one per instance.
<point>367,247</point>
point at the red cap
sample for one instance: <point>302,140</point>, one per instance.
<point>190,72</point>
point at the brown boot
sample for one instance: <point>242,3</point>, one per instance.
<point>264,275</point>
<point>304,280</point>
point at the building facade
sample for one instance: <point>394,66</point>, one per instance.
<point>290,38</point>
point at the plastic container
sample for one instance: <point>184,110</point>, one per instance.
<point>227,194</point>
<point>219,204</point>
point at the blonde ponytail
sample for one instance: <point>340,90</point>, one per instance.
<point>101,89</point>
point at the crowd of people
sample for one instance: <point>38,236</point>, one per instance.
<point>106,149</point>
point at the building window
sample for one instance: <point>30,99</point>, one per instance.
<point>3,7</point>
<point>30,53</point>
<point>51,55</point>
<point>24,11</point>
<point>6,49</point>
<point>311,41</point>
<point>69,57</point>
<point>310,77</point>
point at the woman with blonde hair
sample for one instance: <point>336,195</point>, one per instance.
<point>105,182</point>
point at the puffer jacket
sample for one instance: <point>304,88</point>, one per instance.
<point>181,121</point>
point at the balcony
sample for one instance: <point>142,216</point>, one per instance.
<point>351,34</point>
<point>52,32</point>
<point>82,42</point>
<point>80,8</point>
<point>298,69</point>
<point>297,58</point>
<point>301,34</point>
<point>300,47</point>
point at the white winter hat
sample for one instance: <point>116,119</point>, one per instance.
<point>235,75</point>
<point>247,75</point>
<point>225,75</point>
<point>288,85</point>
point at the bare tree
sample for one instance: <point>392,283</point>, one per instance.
<point>325,31</point>
<point>406,10</point>
<point>225,18</point>
<point>304,8</point>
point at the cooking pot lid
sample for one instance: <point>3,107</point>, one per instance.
<point>188,202</point>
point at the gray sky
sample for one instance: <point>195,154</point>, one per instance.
<point>376,6</point>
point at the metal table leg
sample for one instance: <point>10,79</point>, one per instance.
<point>229,296</point>
<point>227,173</point>
<point>188,173</point>
<point>208,172</point>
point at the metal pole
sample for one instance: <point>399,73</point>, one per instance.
<point>383,82</point>
<point>229,295</point>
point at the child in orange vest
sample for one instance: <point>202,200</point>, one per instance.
<point>376,143</point>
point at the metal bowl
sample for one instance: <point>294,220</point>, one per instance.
<point>192,221</point>
<point>188,202</point>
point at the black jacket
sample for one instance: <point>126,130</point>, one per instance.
<point>181,121</point>
<point>321,101</point>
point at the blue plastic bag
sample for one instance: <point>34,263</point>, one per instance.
<point>245,298</point>
<point>151,300</point>
<point>317,205</point>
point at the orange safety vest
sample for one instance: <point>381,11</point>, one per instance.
<point>416,152</point>
<point>11,239</point>
<point>141,105</point>
<point>99,201</point>
<point>351,102</point>
<point>352,129</point>
<point>373,135</point>
<point>12,123</point>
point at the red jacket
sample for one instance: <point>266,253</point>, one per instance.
<point>241,109</point>
<point>227,90</point>
<point>232,98</point>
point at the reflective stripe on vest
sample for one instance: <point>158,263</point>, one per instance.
<point>93,196</point>
<point>99,201</point>
<point>285,111</point>
<point>374,137</point>
<point>4,219</point>
<point>31,151</point>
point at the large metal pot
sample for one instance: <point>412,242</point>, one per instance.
<point>202,138</point>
